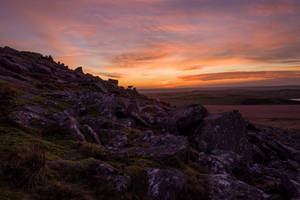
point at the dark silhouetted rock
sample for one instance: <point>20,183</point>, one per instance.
<point>79,70</point>
<point>179,120</point>
<point>113,82</point>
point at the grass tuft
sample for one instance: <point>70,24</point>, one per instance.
<point>25,166</point>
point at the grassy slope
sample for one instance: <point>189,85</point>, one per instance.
<point>24,173</point>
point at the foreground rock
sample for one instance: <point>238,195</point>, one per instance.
<point>222,162</point>
<point>224,187</point>
<point>164,184</point>
<point>70,125</point>
<point>107,172</point>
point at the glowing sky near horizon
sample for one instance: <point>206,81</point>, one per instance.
<point>163,43</point>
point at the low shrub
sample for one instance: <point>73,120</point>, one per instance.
<point>139,181</point>
<point>60,191</point>
<point>195,185</point>
<point>6,100</point>
<point>92,150</point>
<point>54,132</point>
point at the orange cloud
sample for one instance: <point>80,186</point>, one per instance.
<point>268,8</point>
<point>131,59</point>
<point>110,75</point>
<point>256,75</point>
<point>191,68</point>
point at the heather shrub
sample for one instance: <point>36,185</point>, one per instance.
<point>60,191</point>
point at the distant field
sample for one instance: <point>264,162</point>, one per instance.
<point>227,96</point>
<point>281,116</point>
<point>263,105</point>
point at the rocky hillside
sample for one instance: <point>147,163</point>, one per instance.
<point>67,135</point>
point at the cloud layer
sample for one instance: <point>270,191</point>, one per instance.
<point>162,43</point>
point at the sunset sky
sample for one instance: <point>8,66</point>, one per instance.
<point>163,43</point>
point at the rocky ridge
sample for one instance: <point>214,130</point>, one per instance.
<point>76,136</point>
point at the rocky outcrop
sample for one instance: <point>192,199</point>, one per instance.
<point>79,70</point>
<point>30,115</point>
<point>117,139</point>
<point>142,147</point>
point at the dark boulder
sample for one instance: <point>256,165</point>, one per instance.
<point>226,131</point>
<point>187,117</point>
<point>179,120</point>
